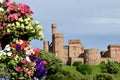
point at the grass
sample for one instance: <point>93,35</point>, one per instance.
<point>96,69</point>
<point>71,69</point>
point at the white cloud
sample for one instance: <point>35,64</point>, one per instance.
<point>102,20</point>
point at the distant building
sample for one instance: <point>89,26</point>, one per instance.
<point>75,51</point>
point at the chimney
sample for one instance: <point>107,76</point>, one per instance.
<point>53,26</point>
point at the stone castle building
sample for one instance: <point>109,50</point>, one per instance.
<point>75,51</point>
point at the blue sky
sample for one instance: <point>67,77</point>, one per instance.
<point>95,22</point>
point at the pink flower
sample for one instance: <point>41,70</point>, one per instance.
<point>23,61</point>
<point>13,16</point>
<point>4,33</point>
<point>24,9</point>
<point>24,69</point>
<point>11,6</point>
<point>32,64</point>
<point>5,24</point>
<point>1,27</point>
<point>30,73</point>
<point>5,16</point>
<point>44,62</point>
<point>18,69</point>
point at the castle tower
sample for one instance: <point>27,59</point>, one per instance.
<point>57,43</point>
<point>53,26</point>
<point>75,48</point>
<point>46,45</point>
<point>92,56</point>
<point>114,52</point>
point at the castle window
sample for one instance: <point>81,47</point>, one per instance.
<point>115,51</point>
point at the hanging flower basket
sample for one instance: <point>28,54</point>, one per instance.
<point>17,28</point>
<point>16,20</point>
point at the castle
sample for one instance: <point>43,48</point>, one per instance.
<point>75,51</point>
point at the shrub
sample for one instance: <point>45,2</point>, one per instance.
<point>103,77</point>
<point>84,69</point>
<point>76,63</point>
<point>103,66</point>
<point>65,75</point>
<point>54,64</point>
<point>112,68</point>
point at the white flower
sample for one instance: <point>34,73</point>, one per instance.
<point>7,47</point>
<point>28,59</point>
<point>36,22</point>
<point>16,57</point>
<point>39,27</point>
<point>1,53</point>
<point>9,53</point>
<point>17,24</point>
<point>22,26</point>
<point>1,9</point>
<point>1,1</point>
<point>19,42</point>
<point>28,52</point>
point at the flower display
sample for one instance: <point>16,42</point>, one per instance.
<point>16,20</point>
<point>21,60</point>
<point>17,28</point>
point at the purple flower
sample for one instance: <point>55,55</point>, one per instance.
<point>32,58</point>
<point>18,47</point>
<point>40,72</point>
<point>39,67</point>
<point>38,61</point>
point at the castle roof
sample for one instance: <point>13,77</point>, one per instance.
<point>113,45</point>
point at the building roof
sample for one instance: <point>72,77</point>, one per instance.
<point>113,45</point>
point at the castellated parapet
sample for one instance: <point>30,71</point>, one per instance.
<point>75,51</point>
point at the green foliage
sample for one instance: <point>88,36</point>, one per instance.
<point>103,66</point>
<point>54,64</point>
<point>84,69</point>
<point>3,71</point>
<point>103,77</point>
<point>112,68</point>
<point>76,63</point>
<point>65,75</point>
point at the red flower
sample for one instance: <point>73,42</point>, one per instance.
<point>24,44</point>
<point>13,45</point>
<point>36,51</point>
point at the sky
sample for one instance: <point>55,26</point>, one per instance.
<point>95,22</point>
